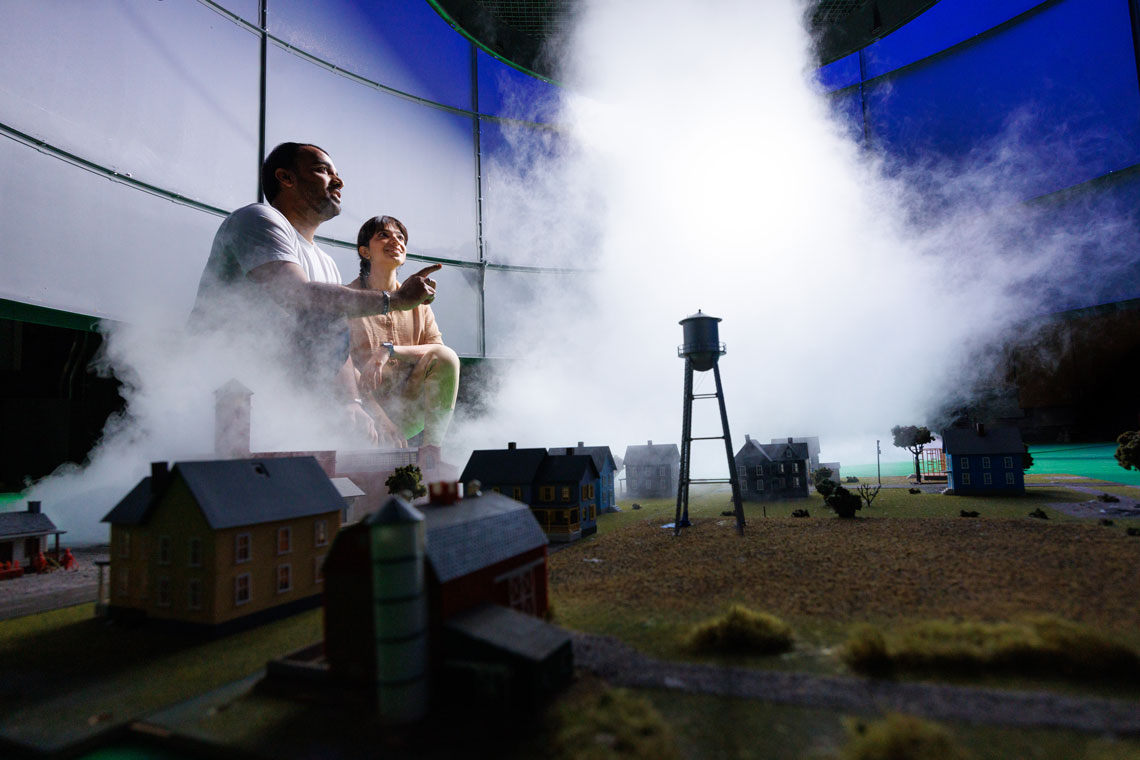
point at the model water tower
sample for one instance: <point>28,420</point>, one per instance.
<point>701,351</point>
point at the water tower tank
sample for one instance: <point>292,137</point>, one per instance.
<point>702,340</point>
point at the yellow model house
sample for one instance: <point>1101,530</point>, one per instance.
<point>222,545</point>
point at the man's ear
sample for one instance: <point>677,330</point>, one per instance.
<point>285,177</point>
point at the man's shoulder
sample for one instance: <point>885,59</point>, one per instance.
<point>258,213</point>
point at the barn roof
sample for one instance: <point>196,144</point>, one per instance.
<point>492,466</point>
<point>478,532</point>
<point>1004,440</point>
<point>652,453</point>
<point>567,467</point>
<point>599,454</point>
<point>25,524</point>
<point>237,492</point>
<point>510,631</point>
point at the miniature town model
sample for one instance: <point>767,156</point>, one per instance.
<point>652,470</point>
<point>814,464</point>
<point>222,545</point>
<point>607,469</point>
<point>562,490</point>
<point>984,461</point>
<point>23,538</point>
<point>771,471</point>
<point>447,600</point>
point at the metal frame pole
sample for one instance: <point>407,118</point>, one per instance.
<point>737,507</point>
<point>681,519</point>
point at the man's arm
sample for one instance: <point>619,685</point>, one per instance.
<point>289,286</point>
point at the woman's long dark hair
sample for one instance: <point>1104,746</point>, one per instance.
<point>367,231</point>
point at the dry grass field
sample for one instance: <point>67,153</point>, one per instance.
<point>642,584</point>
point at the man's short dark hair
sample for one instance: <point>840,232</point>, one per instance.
<point>284,156</point>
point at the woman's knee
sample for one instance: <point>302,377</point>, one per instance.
<point>445,359</point>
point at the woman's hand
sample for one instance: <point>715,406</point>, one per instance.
<point>373,371</point>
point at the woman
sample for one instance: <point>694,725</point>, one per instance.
<point>409,378</point>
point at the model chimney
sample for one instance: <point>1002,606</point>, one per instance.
<point>231,420</point>
<point>981,428</point>
<point>790,440</point>
<point>511,445</point>
<point>650,443</point>
<point>581,444</point>
<point>33,507</point>
<point>159,474</point>
<point>747,438</point>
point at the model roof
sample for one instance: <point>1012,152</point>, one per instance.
<point>599,454</point>
<point>567,467</point>
<point>236,492</point>
<point>477,532</point>
<point>510,631</point>
<point>1004,440</point>
<point>25,524</point>
<point>651,453</point>
<point>495,466</point>
<point>775,452</point>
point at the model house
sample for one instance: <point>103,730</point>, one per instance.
<point>984,461</point>
<point>652,470</point>
<point>561,490</point>
<point>25,533</point>
<point>411,592</point>
<point>812,442</point>
<point>770,471</point>
<point>607,470</point>
<point>222,545</point>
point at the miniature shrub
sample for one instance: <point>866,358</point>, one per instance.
<point>900,737</point>
<point>1132,531</point>
<point>866,651</point>
<point>1040,646</point>
<point>1039,514</point>
<point>615,724</point>
<point>800,513</point>
<point>741,631</point>
<point>844,503</point>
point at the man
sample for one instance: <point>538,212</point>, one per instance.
<point>265,252</point>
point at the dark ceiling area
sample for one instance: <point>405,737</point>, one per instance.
<point>518,30</point>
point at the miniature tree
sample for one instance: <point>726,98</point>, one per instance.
<point>1128,450</point>
<point>1026,459</point>
<point>822,481</point>
<point>913,439</point>
<point>844,503</point>
<point>868,493</point>
<point>406,478</point>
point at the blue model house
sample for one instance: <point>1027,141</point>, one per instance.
<point>984,461</point>
<point>607,468</point>
<point>561,490</point>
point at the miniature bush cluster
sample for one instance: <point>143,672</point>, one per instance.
<point>614,724</point>
<point>741,631</point>
<point>1045,646</point>
<point>844,503</point>
<point>899,737</point>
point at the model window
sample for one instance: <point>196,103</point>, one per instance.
<point>985,463</point>
<point>743,484</point>
<point>320,532</point>
<point>241,589</point>
<point>122,582</point>
<point>1009,478</point>
<point>319,569</point>
<point>194,594</point>
<point>547,493</point>
<point>965,478</point>
<point>284,540</point>
<point>164,550</point>
<point>241,548</point>
<point>590,494</point>
<point>987,479</point>
<point>1009,463</point>
<point>194,553</point>
<point>965,463</point>
<point>795,466</point>
<point>759,470</point>
<point>585,491</point>
<point>162,591</point>
<point>516,492</point>
<point>124,544</point>
<point>565,493</point>
<point>781,468</point>
<point>795,482</point>
<point>759,484</point>
<point>593,512</point>
<point>284,578</point>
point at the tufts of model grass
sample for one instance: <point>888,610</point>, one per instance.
<point>899,737</point>
<point>614,723</point>
<point>1039,646</point>
<point>741,631</point>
